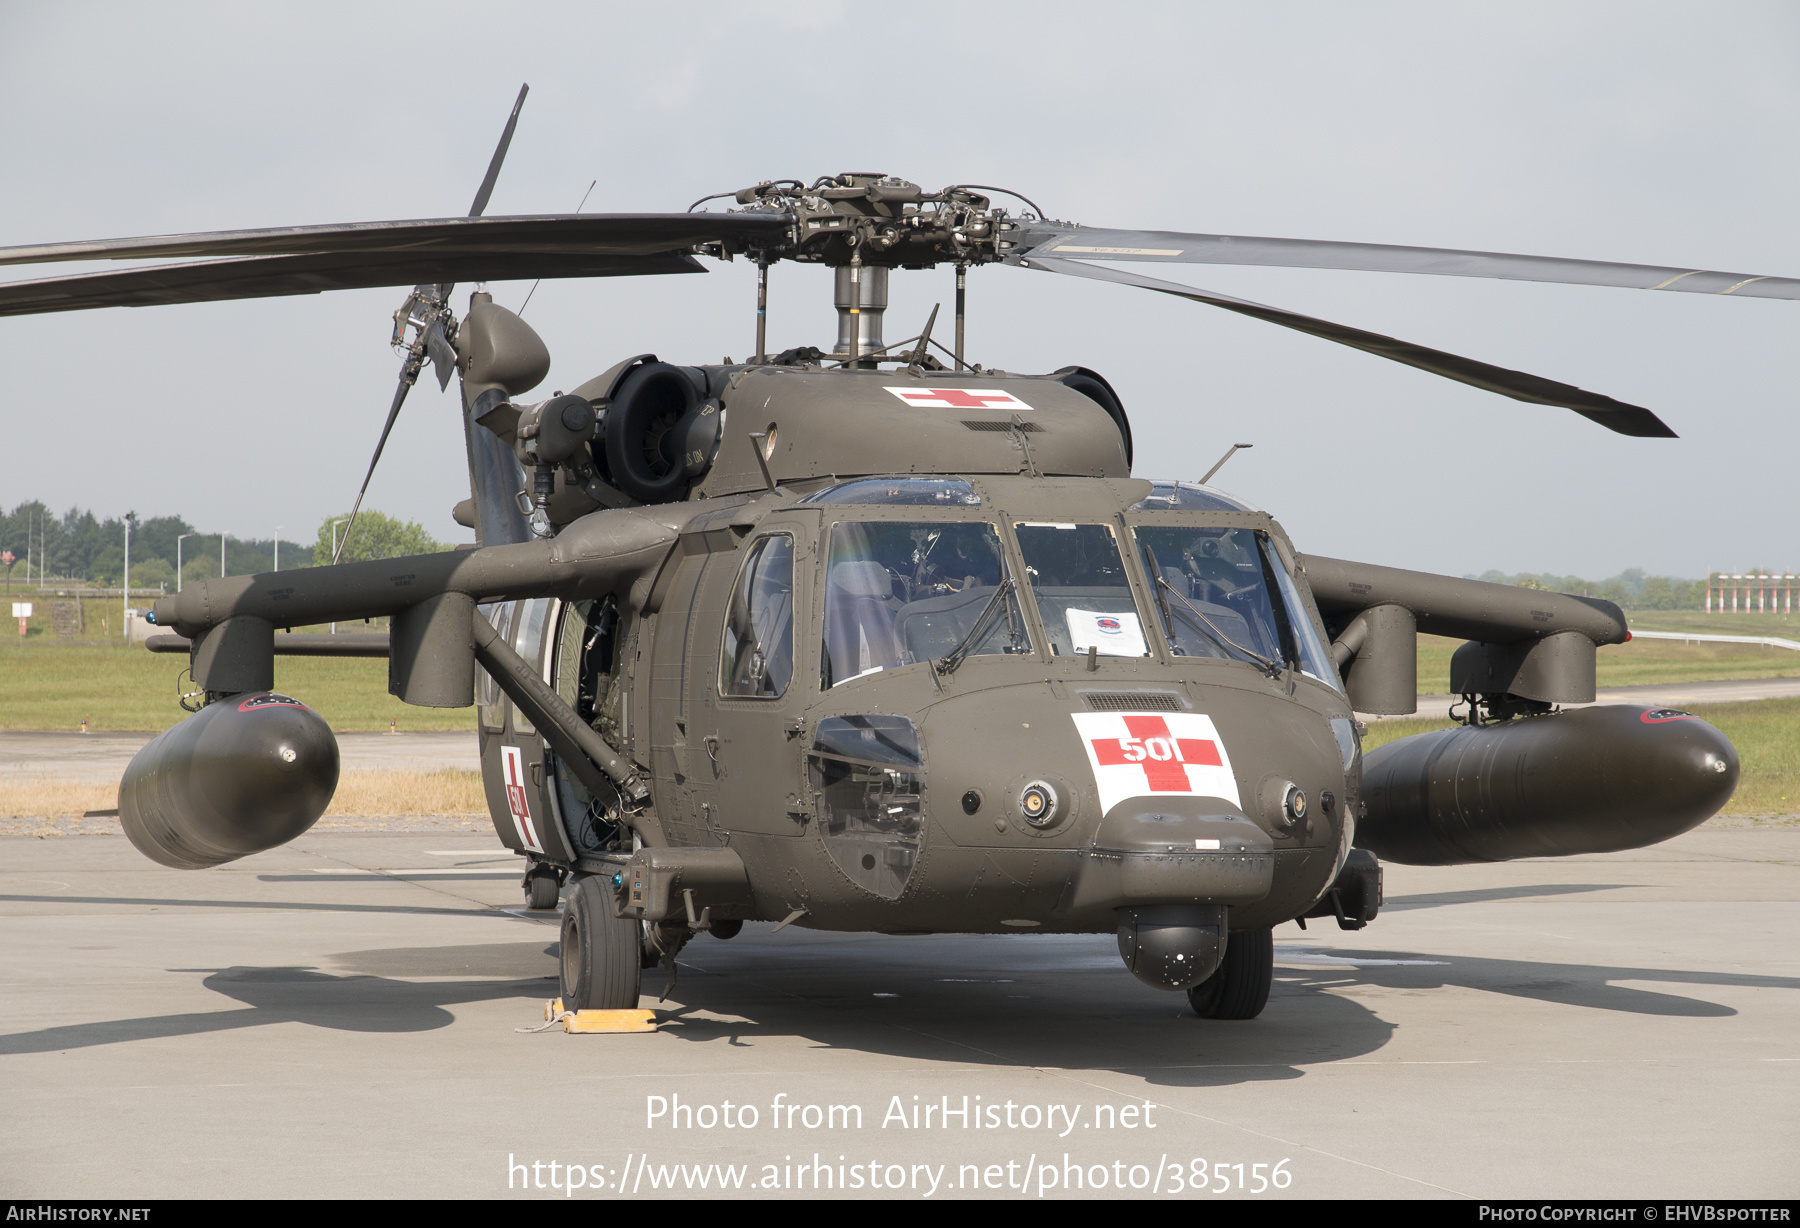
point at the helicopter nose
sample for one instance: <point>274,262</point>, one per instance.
<point>1185,850</point>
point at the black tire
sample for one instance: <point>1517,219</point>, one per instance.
<point>1240,988</point>
<point>726,929</point>
<point>599,951</point>
<point>542,890</point>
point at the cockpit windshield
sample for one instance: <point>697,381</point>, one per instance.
<point>1187,497</point>
<point>1083,595</point>
<point>1225,593</point>
<point>900,592</point>
<point>1211,592</point>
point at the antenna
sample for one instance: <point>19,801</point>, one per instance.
<point>1228,455</point>
<point>762,310</point>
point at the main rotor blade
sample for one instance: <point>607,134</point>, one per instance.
<point>275,276</point>
<point>1067,241</point>
<point>1519,385</point>
<point>575,234</point>
<point>493,171</point>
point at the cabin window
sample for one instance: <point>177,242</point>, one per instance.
<point>901,592</point>
<point>1083,594</point>
<point>490,704</point>
<point>528,642</point>
<point>757,658</point>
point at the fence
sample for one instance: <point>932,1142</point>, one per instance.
<point>1761,592</point>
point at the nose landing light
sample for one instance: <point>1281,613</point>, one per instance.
<point>1038,803</point>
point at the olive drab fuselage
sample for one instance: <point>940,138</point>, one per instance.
<point>778,773</point>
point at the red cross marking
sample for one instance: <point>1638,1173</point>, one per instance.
<point>960,398</point>
<point>1158,752</point>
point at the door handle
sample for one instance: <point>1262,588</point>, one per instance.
<point>712,750</point>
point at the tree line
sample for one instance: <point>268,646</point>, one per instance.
<point>81,546</point>
<point>1631,589</point>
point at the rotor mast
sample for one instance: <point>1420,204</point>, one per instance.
<point>863,225</point>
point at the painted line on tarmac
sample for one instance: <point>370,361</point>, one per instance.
<point>426,872</point>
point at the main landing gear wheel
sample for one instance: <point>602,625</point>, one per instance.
<point>542,888</point>
<point>1240,988</point>
<point>599,951</point>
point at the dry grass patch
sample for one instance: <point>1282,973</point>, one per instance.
<point>43,797</point>
<point>447,792</point>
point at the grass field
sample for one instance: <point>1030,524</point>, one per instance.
<point>51,686</point>
<point>1766,734</point>
<point>48,685</point>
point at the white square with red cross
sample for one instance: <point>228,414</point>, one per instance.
<point>512,769</point>
<point>1155,754</point>
<point>959,398</point>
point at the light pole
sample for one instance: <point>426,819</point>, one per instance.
<point>334,553</point>
<point>277,566</point>
<point>221,556</point>
<point>125,585</point>
<point>178,542</point>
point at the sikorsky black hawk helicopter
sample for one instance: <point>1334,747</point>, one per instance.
<point>870,640</point>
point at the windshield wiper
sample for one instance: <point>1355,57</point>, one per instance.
<point>1211,630</point>
<point>950,660</point>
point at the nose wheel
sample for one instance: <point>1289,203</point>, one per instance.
<point>543,886</point>
<point>1240,988</point>
<point>600,969</point>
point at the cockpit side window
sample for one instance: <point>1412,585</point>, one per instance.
<point>1314,658</point>
<point>901,592</point>
<point>1083,594</point>
<point>757,658</point>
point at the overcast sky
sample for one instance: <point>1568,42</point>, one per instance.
<point>1661,133</point>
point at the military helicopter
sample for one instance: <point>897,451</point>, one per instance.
<point>879,639</point>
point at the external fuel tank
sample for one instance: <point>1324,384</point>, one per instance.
<point>1592,780</point>
<point>240,776</point>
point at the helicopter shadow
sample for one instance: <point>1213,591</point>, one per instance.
<point>1051,1002</point>
<point>357,1002</point>
<point>1074,1007</point>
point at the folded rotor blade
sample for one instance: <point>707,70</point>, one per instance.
<point>274,276</point>
<point>573,234</point>
<point>409,371</point>
<point>1066,241</point>
<point>445,288</point>
<point>493,171</point>
<point>1613,415</point>
<point>432,341</point>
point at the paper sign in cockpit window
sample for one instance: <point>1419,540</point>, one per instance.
<point>1112,635</point>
